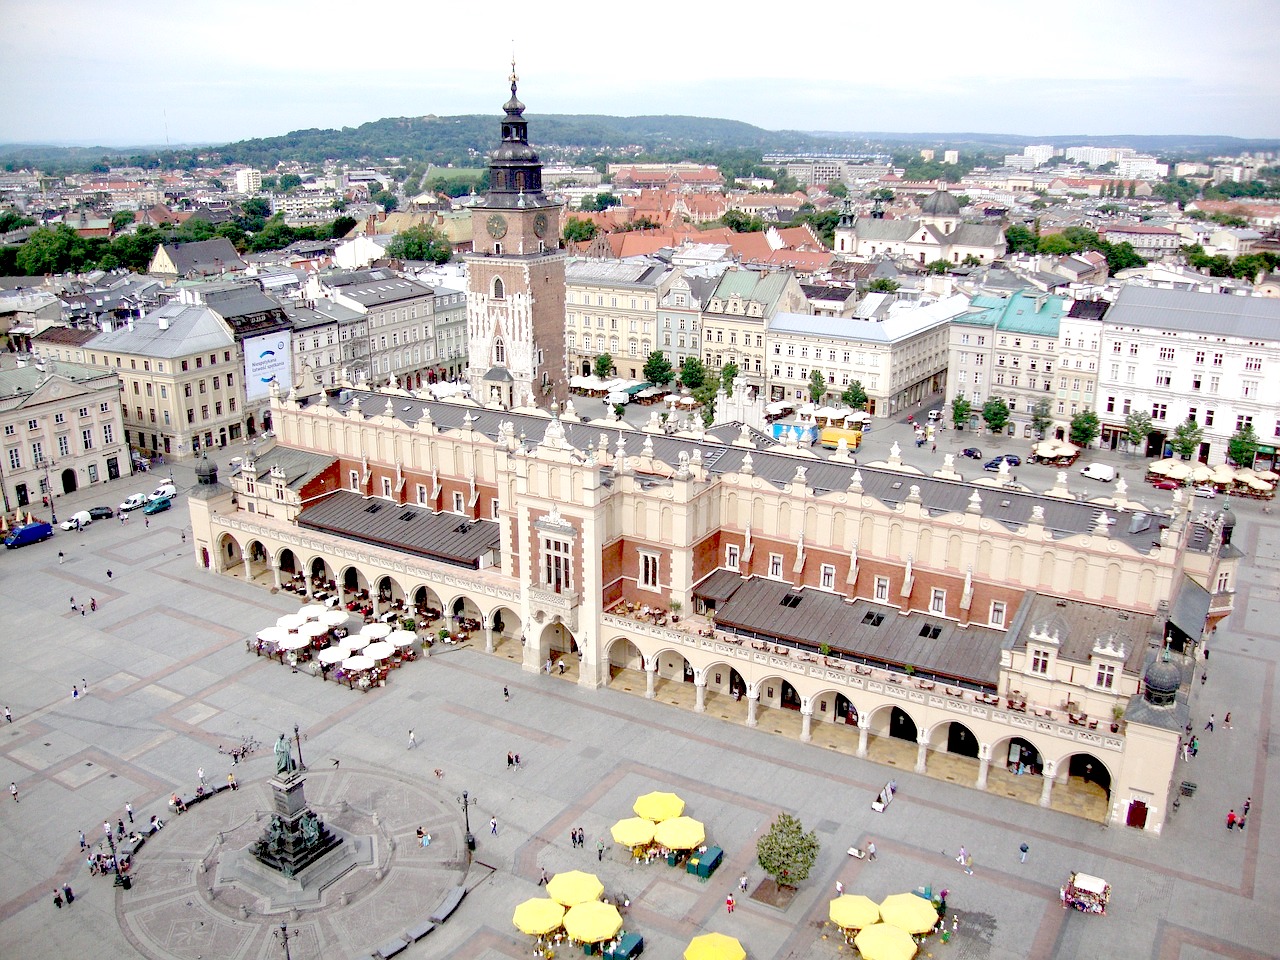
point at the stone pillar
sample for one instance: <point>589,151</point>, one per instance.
<point>984,764</point>
<point>247,575</point>
<point>306,582</point>
<point>488,638</point>
<point>864,727</point>
<point>753,701</point>
<point>922,753</point>
<point>650,678</point>
<point>1046,790</point>
<point>275,573</point>
<point>806,722</point>
<point>700,687</point>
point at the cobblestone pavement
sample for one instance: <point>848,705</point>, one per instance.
<point>169,681</point>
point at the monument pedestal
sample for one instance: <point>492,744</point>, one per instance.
<point>295,838</point>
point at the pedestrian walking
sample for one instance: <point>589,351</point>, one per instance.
<point>506,695</point>
<point>67,894</point>
<point>1204,675</point>
<point>511,760</point>
<point>600,850</point>
<point>871,850</point>
<point>742,883</point>
<point>413,741</point>
<point>57,898</point>
<point>200,775</point>
<point>493,826</point>
<point>84,844</point>
<point>968,865</point>
<point>120,828</point>
<point>839,888</point>
<point>146,522</point>
<point>1248,803</point>
<point>1231,819</point>
<point>1227,720</point>
<point>517,761</point>
<point>84,686</point>
<point>542,880</point>
<point>184,536</point>
<point>74,608</point>
<point>60,557</point>
<point>547,666</point>
<point>961,855</point>
<point>231,781</point>
<point>1023,848</point>
<point>8,715</point>
<point>108,573</point>
<point>128,808</point>
<point>1209,726</point>
<point>75,692</point>
<point>1195,745</point>
<point>729,903</point>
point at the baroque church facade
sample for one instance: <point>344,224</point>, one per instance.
<point>939,234</point>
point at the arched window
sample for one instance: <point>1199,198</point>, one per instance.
<point>498,291</point>
<point>499,350</point>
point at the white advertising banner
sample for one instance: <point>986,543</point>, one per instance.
<point>267,360</point>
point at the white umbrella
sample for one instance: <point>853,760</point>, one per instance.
<point>375,631</point>
<point>1177,471</point>
<point>1200,473</point>
<point>291,621</point>
<point>357,663</point>
<point>334,618</point>
<point>273,634</point>
<point>295,641</point>
<point>356,641</point>
<point>312,629</point>
<point>333,654</point>
<point>402,638</point>
<point>312,611</point>
<point>1223,474</point>
<point>379,650</point>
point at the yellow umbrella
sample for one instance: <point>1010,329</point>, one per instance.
<point>592,921</point>
<point>908,912</point>
<point>658,806</point>
<point>680,833</point>
<point>538,916</point>
<point>854,911</point>
<point>883,942</point>
<point>574,887</point>
<point>714,946</point>
<point>633,831</point>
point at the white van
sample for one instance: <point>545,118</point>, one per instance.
<point>1099,471</point>
<point>935,416</point>
<point>164,490</point>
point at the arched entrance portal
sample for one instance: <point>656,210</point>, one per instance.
<point>69,480</point>
<point>625,657</point>
<point>1021,757</point>
<point>961,741</point>
<point>846,712</point>
<point>901,726</point>
<point>428,604</point>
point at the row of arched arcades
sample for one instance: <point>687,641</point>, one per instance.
<point>868,724</point>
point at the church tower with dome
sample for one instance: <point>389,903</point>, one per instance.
<point>515,278</point>
<point>940,233</point>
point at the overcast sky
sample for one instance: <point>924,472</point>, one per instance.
<point>134,72</point>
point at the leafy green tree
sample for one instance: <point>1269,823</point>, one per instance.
<point>1084,428</point>
<point>195,228</point>
<point>740,222</point>
<point>576,231</point>
<point>1121,256</point>
<point>597,202</point>
<point>657,369</point>
<point>727,375</point>
<point>971,260</point>
<point>937,266</point>
<point>817,385</point>
<point>290,181</point>
<point>51,251</point>
<point>121,219</point>
<point>1186,438</point>
<point>995,412</point>
<point>1041,417</point>
<point>883,285</point>
<point>341,226</point>
<point>1019,239</point>
<point>692,372</point>
<point>786,852</point>
<point>837,190</point>
<point>12,220</point>
<point>603,366</point>
<point>422,242</point>
<point>961,410</point>
<point>256,207</point>
<point>1056,244</point>
<point>386,199</point>
<point>1137,427</point>
<point>1243,446</point>
<point>706,395</point>
<point>854,396</point>
<point>883,194</point>
<point>270,183</point>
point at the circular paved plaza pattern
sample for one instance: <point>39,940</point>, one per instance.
<point>179,909</point>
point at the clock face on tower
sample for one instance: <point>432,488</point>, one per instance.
<point>497,226</point>
<point>540,225</point>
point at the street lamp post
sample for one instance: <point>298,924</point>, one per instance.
<point>48,489</point>
<point>467,803</point>
<point>297,739</point>
<point>284,935</point>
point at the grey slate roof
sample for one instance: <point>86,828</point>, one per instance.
<point>1080,625</point>
<point>191,329</point>
<point>204,256</point>
<point>447,537</point>
<point>1008,507</point>
<point>299,466</point>
<point>1186,311</point>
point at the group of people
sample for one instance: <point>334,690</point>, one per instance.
<point>1237,821</point>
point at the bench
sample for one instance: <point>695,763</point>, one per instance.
<point>857,854</point>
<point>414,934</point>
<point>448,904</point>
<point>390,948</point>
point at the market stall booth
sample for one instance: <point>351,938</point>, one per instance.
<point>1086,893</point>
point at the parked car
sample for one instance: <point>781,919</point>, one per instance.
<point>1166,484</point>
<point>1099,471</point>
<point>157,506</point>
<point>27,533</point>
<point>1205,491</point>
<point>135,501</point>
<point>166,489</point>
<point>973,453</point>
<point>1008,458</point>
<point>101,513</point>
<point>78,520</point>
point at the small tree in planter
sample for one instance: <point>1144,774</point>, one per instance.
<point>786,852</point>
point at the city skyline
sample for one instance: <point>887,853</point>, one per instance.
<point>239,71</point>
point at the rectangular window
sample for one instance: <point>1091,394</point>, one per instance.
<point>1106,676</point>
<point>459,502</point>
<point>1159,411</point>
<point>107,435</point>
<point>1039,661</point>
<point>938,601</point>
<point>353,478</point>
<point>775,565</point>
<point>421,493</point>
<point>64,446</point>
<point>882,589</point>
<point>557,565</point>
<point>86,437</point>
<point>1224,582</point>
<point>1208,418</point>
<point>386,487</point>
<point>997,613</point>
<point>649,570</point>
<point>828,576</point>
<point>494,507</point>
<point>731,556</point>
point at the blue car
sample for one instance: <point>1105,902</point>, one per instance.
<point>157,506</point>
<point>1008,458</point>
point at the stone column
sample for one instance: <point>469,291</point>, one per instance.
<point>984,764</point>
<point>922,753</point>
<point>753,701</point>
<point>864,727</point>
<point>247,575</point>
<point>1046,790</point>
<point>275,573</point>
<point>488,638</point>
<point>650,678</point>
<point>306,582</point>
<point>700,686</point>
<point>806,722</point>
